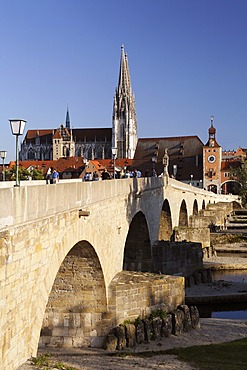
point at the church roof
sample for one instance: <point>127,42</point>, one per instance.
<point>79,135</point>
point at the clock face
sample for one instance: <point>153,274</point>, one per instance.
<point>211,158</point>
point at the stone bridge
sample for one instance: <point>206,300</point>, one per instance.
<point>66,252</point>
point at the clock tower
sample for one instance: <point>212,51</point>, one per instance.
<point>212,154</point>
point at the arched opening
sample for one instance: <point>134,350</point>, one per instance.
<point>183,215</point>
<point>230,187</point>
<point>195,208</point>
<point>203,204</point>
<point>77,301</point>
<point>137,250</point>
<point>31,154</point>
<point>165,229</point>
<point>212,188</point>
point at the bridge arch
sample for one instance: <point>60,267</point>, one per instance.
<point>195,208</point>
<point>137,250</point>
<point>203,204</point>
<point>230,187</point>
<point>213,188</point>
<point>165,227</point>
<point>77,300</point>
<point>183,214</point>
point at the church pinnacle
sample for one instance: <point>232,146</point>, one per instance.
<point>67,119</point>
<point>124,125</point>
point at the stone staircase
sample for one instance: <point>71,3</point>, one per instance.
<point>237,221</point>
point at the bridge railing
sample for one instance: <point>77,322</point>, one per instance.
<point>33,200</point>
<point>199,191</point>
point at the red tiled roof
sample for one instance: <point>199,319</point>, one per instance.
<point>226,165</point>
<point>100,164</point>
<point>36,133</point>
<point>57,135</point>
<point>61,164</point>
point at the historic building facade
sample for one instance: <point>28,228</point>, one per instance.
<point>90,143</point>
<point>212,157</point>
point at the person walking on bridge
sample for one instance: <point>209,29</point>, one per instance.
<point>55,176</point>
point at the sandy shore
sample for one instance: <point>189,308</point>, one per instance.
<point>225,263</point>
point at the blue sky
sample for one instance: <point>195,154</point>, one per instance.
<point>187,59</point>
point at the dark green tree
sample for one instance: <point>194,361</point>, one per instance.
<point>24,174</point>
<point>37,174</point>
<point>240,174</point>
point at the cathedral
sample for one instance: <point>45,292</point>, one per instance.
<point>90,143</point>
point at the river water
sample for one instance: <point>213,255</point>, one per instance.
<point>227,311</point>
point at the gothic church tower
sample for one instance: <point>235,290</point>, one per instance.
<point>124,125</point>
<point>62,141</point>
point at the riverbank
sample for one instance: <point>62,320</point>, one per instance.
<point>226,263</point>
<point>211,331</point>
<point>216,292</point>
<point>219,291</point>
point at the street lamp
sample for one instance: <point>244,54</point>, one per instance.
<point>17,128</point>
<point>154,159</point>
<point>3,155</point>
<point>114,154</point>
<point>175,170</point>
<point>191,179</point>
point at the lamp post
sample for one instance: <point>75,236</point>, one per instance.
<point>191,179</point>
<point>154,159</point>
<point>175,170</point>
<point>114,154</point>
<point>17,128</point>
<point>3,155</point>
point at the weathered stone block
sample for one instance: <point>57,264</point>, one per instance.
<point>198,278</point>
<point>195,318</point>
<point>140,334</point>
<point>177,322</point>
<point>119,332</point>
<point>157,325</point>
<point>204,276</point>
<point>111,342</point>
<point>187,318</point>
<point>147,330</point>
<point>130,333</point>
<point>166,330</point>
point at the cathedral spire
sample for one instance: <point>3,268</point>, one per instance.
<point>124,85</point>
<point>124,125</point>
<point>67,119</point>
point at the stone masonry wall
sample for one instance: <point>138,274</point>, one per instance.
<point>193,235</point>
<point>181,258</point>
<point>134,294</point>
